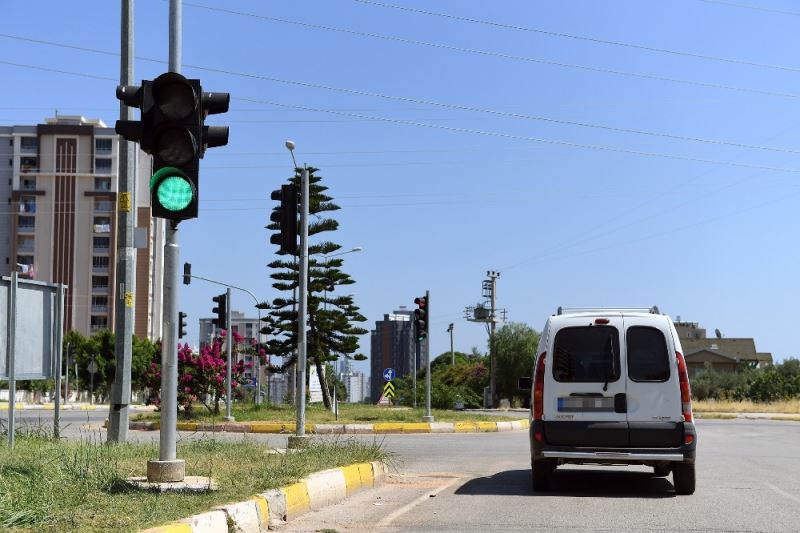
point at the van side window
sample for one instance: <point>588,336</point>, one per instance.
<point>586,354</point>
<point>647,354</point>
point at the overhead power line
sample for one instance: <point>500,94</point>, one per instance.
<point>527,138</point>
<point>576,37</point>
<point>754,8</point>
<point>488,53</point>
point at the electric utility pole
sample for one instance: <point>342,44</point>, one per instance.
<point>452,353</point>
<point>492,324</point>
<point>126,254</point>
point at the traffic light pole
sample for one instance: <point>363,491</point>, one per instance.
<point>428,416</point>
<point>298,440</point>
<point>229,349</point>
<point>168,468</point>
<point>126,254</point>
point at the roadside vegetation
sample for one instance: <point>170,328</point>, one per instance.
<point>51,485</point>
<point>318,414</point>
<point>750,389</point>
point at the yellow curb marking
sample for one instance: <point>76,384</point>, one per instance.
<point>487,426</point>
<point>171,528</point>
<point>263,509</point>
<point>388,427</point>
<point>366,474</point>
<point>416,427</point>
<point>352,478</point>
<point>297,500</point>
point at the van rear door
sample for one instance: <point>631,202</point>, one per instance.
<point>653,395</point>
<point>585,383</point>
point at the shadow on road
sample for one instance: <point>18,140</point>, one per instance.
<point>575,483</point>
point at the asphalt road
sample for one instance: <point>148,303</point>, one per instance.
<point>748,480</point>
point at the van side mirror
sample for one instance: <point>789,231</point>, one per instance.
<point>525,383</point>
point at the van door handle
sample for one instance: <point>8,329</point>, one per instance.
<point>620,403</point>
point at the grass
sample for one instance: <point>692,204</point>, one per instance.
<point>49,485</point>
<point>317,414</point>
<point>725,406</point>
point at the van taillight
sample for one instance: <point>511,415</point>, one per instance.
<point>686,391</point>
<point>538,387</point>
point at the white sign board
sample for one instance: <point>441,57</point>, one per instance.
<point>35,328</point>
<point>314,388</point>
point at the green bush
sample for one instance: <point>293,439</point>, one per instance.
<point>768,384</point>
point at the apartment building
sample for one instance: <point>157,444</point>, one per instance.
<point>393,346</point>
<point>246,327</point>
<point>59,183</point>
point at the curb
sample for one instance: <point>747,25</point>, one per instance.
<point>68,407</point>
<point>380,428</point>
<point>278,506</point>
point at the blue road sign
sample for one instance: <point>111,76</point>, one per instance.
<point>388,374</point>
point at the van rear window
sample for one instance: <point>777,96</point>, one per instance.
<point>647,354</point>
<point>586,354</point>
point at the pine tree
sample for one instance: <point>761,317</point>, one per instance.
<point>332,330</point>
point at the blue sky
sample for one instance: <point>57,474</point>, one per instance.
<point>540,184</point>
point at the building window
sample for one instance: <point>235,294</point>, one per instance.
<point>102,184</point>
<point>99,304</point>
<point>102,224</point>
<point>103,206</point>
<point>26,223</point>
<point>27,204</point>
<point>102,165</point>
<point>99,282</point>
<point>102,146</point>
<point>28,184</point>
<point>28,143</point>
<point>96,323</point>
<point>27,164</point>
<point>100,263</point>
<point>101,244</point>
<point>25,244</point>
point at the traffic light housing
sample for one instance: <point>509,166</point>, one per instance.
<point>172,129</point>
<point>421,322</point>
<point>181,324</point>
<point>284,219</point>
<point>221,310</point>
<point>187,273</point>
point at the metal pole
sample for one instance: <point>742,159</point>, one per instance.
<point>417,354</point>
<point>65,364</point>
<point>229,349</point>
<point>169,348</point>
<point>492,355</point>
<point>428,416</point>
<point>11,348</point>
<point>59,341</point>
<point>91,382</point>
<point>301,319</point>
<point>126,253</point>
<point>452,353</point>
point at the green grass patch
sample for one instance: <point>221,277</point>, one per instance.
<point>49,485</point>
<point>317,414</point>
<point>715,416</point>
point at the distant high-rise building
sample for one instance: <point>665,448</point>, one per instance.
<point>393,346</point>
<point>246,327</point>
<point>59,180</point>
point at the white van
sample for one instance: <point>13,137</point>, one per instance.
<point>610,386</point>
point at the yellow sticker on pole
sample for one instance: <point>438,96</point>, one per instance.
<point>128,299</point>
<point>125,201</point>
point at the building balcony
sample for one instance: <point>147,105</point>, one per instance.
<point>96,269</point>
<point>103,309</point>
<point>102,289</point>
<point>27,228</point>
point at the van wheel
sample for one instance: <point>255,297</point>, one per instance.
<point>541,471</point>
<point>683,478</point>
<point>661,471</point>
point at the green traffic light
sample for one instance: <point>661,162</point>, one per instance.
<point>173,189</point>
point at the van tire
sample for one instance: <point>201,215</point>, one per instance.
<point>683,478</point>
<point>541,471</point>
<point>661,471</point>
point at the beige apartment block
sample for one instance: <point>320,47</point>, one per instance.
<point>60,182</point>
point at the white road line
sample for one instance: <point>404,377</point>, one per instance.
<point>782,493</point>
<point>406,508</point>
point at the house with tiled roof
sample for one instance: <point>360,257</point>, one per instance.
<point>723,354</point>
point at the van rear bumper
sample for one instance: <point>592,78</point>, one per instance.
<point>616,454</point>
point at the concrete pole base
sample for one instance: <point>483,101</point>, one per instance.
<point>427,418</point>
<point>229,418</point>
<point>297,442</point>
<point>166,471</point>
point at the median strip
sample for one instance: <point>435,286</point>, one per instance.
<point>278,506</point>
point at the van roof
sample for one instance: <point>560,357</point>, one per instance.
<point>608,312</point>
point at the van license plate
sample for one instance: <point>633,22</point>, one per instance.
<point>573,404</point>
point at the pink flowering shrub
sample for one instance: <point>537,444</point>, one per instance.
<point>201,377</point>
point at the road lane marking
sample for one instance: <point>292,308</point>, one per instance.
<point>425,497</point>
<point>782,493</point>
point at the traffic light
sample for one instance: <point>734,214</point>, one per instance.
<point>421,318</point>
<point>181,324</point>
<point>284,219</point>
<point>187,273</point>
<point>221,310</point>
<point>172,129</point>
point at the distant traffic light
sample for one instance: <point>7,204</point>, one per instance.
<point>421,318</point>
<point>172,129</point>
<point>187,273</point>
<point>221,310</point>
<point>284,219</point>
<point>181,324</point>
